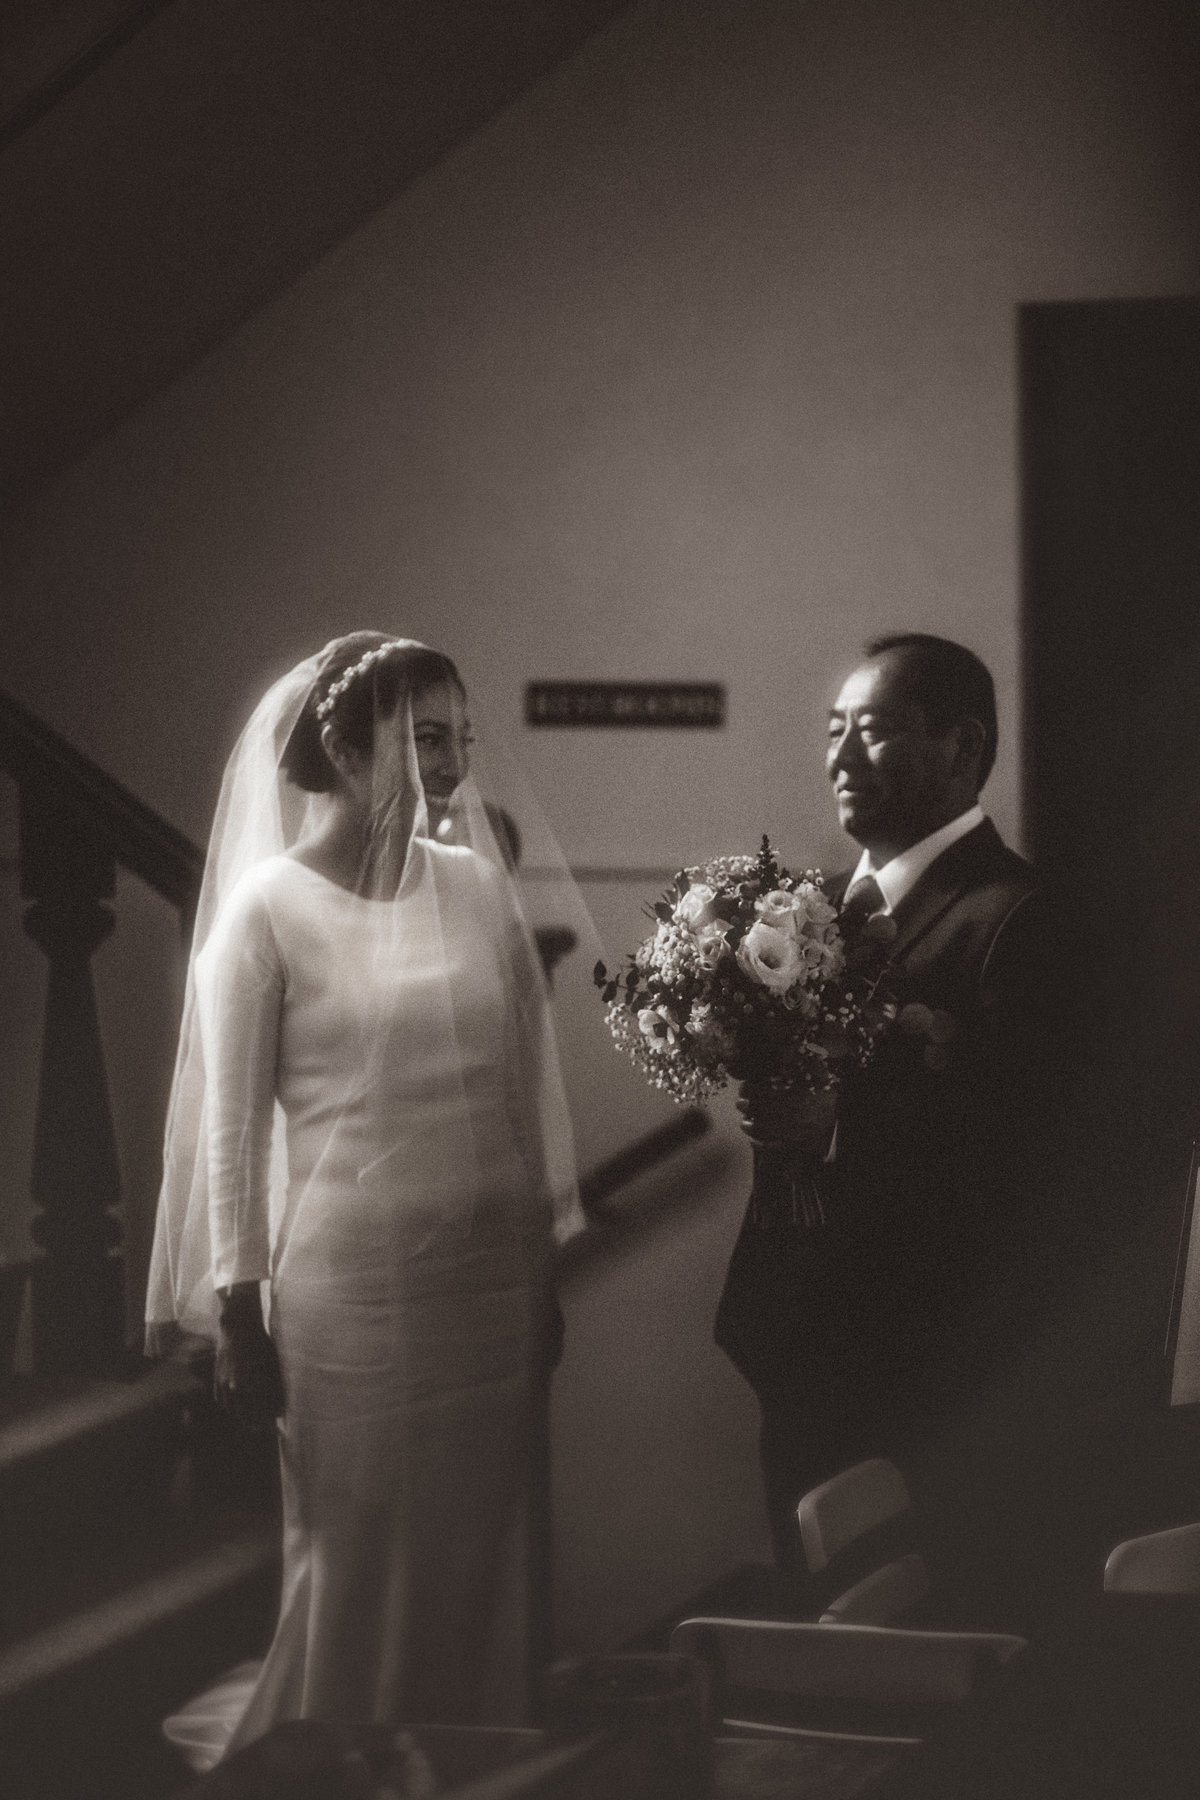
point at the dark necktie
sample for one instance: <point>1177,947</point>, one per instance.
<point>863,898</point>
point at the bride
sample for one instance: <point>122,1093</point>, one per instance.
<point>368,1156</point>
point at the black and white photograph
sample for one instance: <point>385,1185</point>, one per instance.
<point>599,900</point>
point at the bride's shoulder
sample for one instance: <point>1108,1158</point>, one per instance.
<point>245,919</point>
<point>260,888</point>
<point>272,876</point>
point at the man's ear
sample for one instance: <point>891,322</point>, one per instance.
<point>968,752</point>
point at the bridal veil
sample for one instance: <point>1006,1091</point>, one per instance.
<point>483,868</point>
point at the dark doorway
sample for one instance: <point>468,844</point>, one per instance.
<point>1111,541</point>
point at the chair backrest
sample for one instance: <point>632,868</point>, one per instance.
<point>1161,1562</point>
<point>848,1506</point>
<point>857,1532</point>
<point>874,1680</point>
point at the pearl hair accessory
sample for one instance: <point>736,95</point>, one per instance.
<point>352,674</point>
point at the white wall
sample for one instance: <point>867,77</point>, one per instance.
<point>698,363</point>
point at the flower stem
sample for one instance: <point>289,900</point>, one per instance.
<point>787,1188</point>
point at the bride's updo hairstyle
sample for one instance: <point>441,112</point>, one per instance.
<point>404,670</point>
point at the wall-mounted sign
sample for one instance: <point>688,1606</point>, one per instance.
<point>690,704</point>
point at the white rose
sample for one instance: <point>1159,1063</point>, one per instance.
<point>771,957</point>
<point>779,909</point>
<point>817,912</point>
<point>710,943</point>
<point>695,909</point>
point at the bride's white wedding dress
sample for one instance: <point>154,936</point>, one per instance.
<point>406,1258</point>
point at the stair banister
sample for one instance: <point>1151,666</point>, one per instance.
<point>77,825</point>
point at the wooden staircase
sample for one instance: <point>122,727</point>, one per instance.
<point>138,1533</point>
<point>138,1558</point>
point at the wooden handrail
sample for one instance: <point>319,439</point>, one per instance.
<point>138,838</point>
<point>65,76</point>
<point>643,1153</point>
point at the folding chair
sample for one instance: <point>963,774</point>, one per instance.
<point>858,1530</point>
<point>1161,1562</point>
<point>864,1683</point>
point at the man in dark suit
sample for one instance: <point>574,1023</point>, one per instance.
<point>882,1329</point>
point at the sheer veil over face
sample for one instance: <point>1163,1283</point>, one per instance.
<point>352,799</point>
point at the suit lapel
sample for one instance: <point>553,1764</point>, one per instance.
<point>920,909</point>
<point>956,870</point>
<point>953,872</point>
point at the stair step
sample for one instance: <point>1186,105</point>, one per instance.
<point>82,1700</point>
<point>139,1556</point>
<point>40,1416</point>
<point>47,1582</point>
<point>137,1610</point>
<point>86,1475</point>
<point>88,1458</point>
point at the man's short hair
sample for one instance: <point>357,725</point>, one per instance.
<point>949,683</point>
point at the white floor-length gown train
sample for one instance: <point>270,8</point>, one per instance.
<point>404,1312</point>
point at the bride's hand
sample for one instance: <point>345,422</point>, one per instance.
<point>247,1380</point>
<point>777,1118</point>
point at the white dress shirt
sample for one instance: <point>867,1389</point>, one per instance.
<point>898,877</point>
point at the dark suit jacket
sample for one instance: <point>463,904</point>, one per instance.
<point>929,1270</point>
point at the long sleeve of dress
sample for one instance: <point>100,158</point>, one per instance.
<point>239,985</point>
<point>536,1108</point>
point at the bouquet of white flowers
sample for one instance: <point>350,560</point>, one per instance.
<point>745,976</point>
